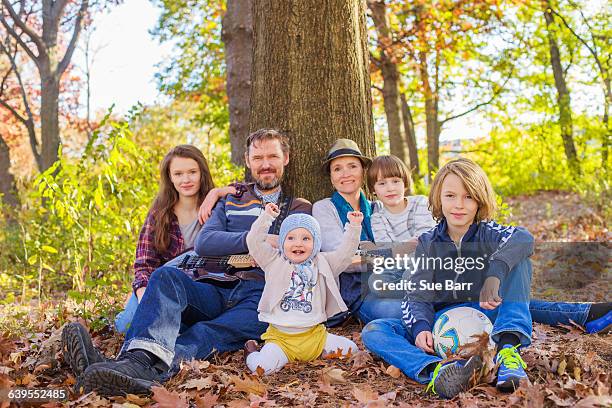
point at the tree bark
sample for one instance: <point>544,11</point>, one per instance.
<point>431,116</point>
<point>237,34</point>
<point>390,76</point>
<point>410,138</point>
<point>563,96</point>
<point>7,181</point>
<point>49,119</point>
<point>311,80</point>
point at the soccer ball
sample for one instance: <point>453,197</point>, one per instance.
<point>455,327</point>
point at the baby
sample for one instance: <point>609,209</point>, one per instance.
<point>301,290</point>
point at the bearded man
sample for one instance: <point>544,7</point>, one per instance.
<point>179,318</point>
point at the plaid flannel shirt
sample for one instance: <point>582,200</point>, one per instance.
<point>147,257</point>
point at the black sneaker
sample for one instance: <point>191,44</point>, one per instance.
<point>451,378</point>
<point>132,373</point>
<point>78,350</point>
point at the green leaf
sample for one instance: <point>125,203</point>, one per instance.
<point>49,249</point>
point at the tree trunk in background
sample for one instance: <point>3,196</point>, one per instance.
<point>43,52</point>
<point>410,138</point>
<point>49,118</point>
<point>390,76</point>
<point>7,181</point>
<point>431,117</point>
<point>237,35</point>
<point>563,96</point>
<point>311,80</point>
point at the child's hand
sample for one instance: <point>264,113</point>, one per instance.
<point>489,294</point>
<point>355,217</point>
<point>424,341</point>
<point>272,210</point>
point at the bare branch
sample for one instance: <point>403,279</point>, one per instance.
<point>16,36</point>
<point>24,27</point>
<point>13,111</point>
<point>75,37</point>
<point>579,38</point>
<point>480,105</point>
<point>29,122</point>
<point>377,88</point>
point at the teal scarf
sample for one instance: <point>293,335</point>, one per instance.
<point>343,207</point>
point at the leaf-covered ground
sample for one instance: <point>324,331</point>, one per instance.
<point>566,367</point>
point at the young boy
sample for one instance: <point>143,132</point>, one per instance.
<point>301,290</point>
<point>397,217</point>
<point>497,282</point>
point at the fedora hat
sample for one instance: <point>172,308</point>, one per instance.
<point>344,148</point>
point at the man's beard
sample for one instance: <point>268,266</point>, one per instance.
<point>261,185</point>
<point>268,186</point>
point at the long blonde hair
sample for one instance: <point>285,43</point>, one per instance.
<point>474,180</point>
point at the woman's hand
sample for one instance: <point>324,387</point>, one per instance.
<point>272,210</point>
<point>211,199</point>
<point>355,217</point>
<point>489,294</point>
<point>424,341</point>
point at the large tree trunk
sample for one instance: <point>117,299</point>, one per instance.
<point>7,181</point>
<point>563,96</point>
<point>237,35</point>
<point>390,82</point>
<point>311,80</point>
<point>410,138</point>
<point>49,120</point>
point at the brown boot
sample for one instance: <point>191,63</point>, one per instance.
<point>249,347</point>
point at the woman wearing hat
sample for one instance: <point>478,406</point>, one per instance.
<point>346,166</point>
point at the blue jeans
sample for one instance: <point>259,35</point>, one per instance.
<point>542,311</point>
<point>180,319</point>
<point>390,340</point>
<point>124,318</point>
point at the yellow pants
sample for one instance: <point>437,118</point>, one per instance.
<point>305,346</point>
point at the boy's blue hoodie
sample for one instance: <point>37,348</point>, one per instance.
<point>500,248</point>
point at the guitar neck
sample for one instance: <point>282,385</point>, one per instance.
<point>197,262</point>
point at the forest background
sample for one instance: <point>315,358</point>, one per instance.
<point>75,185</point>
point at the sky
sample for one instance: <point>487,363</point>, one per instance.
<point>126,55</point>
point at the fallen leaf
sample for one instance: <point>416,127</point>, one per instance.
<point>594,401</point>
<point>364,395</point>
<point>138,400</point>
<point>250,385</point>
<point>207,400</point>
<point>168,399</point>
<point>361,359</point>
<point>257,400</point>
<point>197,383</point>
<point>326,387</point>
<point>41,368</point>
<point>260,371</point>
<point>393,371</point>
<point>332,375</point>
<point>562,366</point>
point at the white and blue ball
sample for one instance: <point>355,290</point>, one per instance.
<point>457,327</point>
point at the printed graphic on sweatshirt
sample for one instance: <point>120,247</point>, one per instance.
<point>299,295</point>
